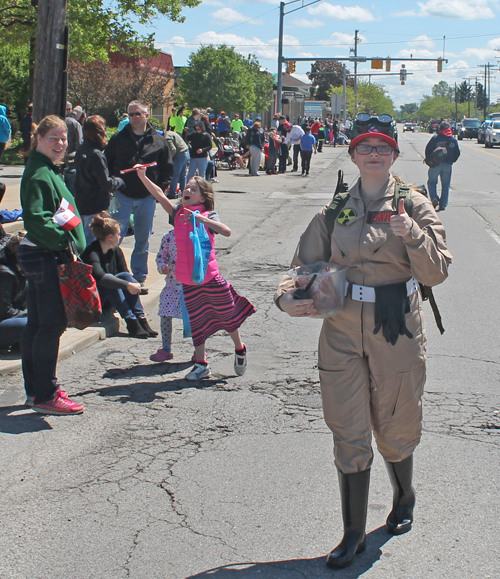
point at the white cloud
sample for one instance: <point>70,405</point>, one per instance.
<point>229,16</point>
<point>212,3</point>
<point>301,76</point>
<point>422,41</point>
<point>342,39</point>
<point>481,54</point>
<point>242,44</point>
<point>304,23</point>
<point>495,43</point>
<point>452,9</point>
<point>337,12</point>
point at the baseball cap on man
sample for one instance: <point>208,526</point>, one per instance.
<point>258,119</point>
<point>287,126</point>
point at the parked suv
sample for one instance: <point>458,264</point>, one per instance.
<point>469,130</point>
<point>492,135</point>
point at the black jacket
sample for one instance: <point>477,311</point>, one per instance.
<point>105,266</point>
<point>123,152</point>
<point>199,141</point>
<point>93,182</point>
<point>450,143</point>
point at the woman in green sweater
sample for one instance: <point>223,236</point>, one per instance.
<point>41,251</point>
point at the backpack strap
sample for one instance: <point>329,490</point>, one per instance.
<point>340,198</point>
<point>402,191</point>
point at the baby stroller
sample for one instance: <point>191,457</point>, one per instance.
<point>225,154</point>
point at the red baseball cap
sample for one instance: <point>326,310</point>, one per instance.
<point>287,126</point>
<point>376,134</point>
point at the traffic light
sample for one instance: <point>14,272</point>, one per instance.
<point>440,65</point>
<point>402,74</point>
<point>388,65</point>
<point>291,66</point>
<point>377,64</point>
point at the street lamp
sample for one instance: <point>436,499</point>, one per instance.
<point>279,95</point>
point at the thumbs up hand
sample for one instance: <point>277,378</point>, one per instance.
<point>401,223</point>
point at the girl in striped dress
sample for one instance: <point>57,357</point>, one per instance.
<point>212,305</point>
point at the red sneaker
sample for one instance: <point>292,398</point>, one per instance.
<point>30,400</point>
<point>161,356</point>
<point>59,406</point>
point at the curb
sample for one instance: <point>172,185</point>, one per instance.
<point>73,340</point>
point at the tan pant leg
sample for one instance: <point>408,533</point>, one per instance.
<point>397,376</point>
<point>345,389</point>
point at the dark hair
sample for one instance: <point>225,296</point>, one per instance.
<point>102,225</point>
<point>307,129</point>
<point>207,191</point>
<point>257,125</point>
<point>94,129</point>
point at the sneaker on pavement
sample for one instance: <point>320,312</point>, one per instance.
<point>198,372</point>
<point>240,361</point>
<point>161,356</point>
<point>59,406</point>
<point>435,202</point>
<point>30,400</point>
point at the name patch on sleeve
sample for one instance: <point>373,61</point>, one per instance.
<point>380,216</point>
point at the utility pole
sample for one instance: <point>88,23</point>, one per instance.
<point>279,91</point>
<point>356,72</point>
<point>49,86</point>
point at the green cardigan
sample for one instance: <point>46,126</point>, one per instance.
<point>42,190</point>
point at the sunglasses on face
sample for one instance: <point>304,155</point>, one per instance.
<point>383,150</point>
<point>135,114</point>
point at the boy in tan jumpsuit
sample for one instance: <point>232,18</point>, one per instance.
<point>373,381</point>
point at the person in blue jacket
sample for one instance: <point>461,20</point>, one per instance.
<point>5,129</point>
<point>443,139</point>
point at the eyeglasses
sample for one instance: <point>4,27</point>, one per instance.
<point>135,114</point>
<point>383,150</point>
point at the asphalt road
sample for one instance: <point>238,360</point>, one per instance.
<point>233,478</point>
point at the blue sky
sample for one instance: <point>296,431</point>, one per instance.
<point>326,29</point>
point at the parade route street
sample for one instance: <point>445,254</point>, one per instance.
<point>233,477</point>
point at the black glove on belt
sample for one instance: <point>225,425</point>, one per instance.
<point>391,306</point>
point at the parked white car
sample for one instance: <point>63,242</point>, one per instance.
<point>492,134</point>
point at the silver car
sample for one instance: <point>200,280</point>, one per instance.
<point>492,134</point>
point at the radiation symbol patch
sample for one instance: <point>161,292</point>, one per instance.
<point>346,215</point>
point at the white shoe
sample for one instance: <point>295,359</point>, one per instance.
<point>198,372</point>
<point>240,362</point>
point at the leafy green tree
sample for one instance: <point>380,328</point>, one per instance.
<point>326,74</point>
<point>443,90</point>
<point>371,97</point>
<point>409,109</point>
<point>14,77</point>
<point>223,79</point>
<point>95,25</point>
<point>464,92</point>
<point>481,98</point>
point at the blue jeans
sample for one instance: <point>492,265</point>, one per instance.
<point>46,322</point>
<point>181,161</point>
<point>210,172</point>
<point>144,212</point>
<point>89,236</point>
<point>443,170</point>
<point>200,164</point>
<point>11,331</point>
<point>126,304</point>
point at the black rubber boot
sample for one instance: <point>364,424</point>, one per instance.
<point>135,329</point>
<point>145,326</point>
<point>354,496</point>
<point>400,518</point>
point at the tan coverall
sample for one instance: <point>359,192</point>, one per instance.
<point>366,382</point>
